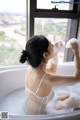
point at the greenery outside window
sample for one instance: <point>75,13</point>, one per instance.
<point>13,32</point>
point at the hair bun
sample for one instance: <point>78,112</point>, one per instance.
<point>23,57</point>
<point>24,52</point>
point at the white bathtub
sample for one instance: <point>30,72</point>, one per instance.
<point>12,95</point>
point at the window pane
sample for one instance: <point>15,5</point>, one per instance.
<point>54,29</point>
<point>12,30</point>
<point>60,4</point>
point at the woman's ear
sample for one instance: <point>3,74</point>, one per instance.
<point>45,56</point>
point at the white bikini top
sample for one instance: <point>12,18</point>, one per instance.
<point>35,93</point>
<point>42,100</point>
<point>47,98</point>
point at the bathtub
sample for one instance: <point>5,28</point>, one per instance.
<point>12,95</point>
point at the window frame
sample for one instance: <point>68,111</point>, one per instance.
<point>46,13</point>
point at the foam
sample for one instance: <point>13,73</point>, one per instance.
<point>71,90</point>
<point>73,40</point>
<point>14,102</point>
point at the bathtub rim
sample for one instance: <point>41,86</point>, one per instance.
<point>46,116</point>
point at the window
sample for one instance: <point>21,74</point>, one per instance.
<point>43,18</point>
<point>12,31</point>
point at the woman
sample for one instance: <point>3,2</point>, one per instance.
<point>39,84</point>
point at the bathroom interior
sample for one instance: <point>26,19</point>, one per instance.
<point>19,20</point>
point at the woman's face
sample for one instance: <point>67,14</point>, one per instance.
<point>51,50</point>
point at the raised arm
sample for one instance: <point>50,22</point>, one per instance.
<point>52,66</point>
<point>67,79</point>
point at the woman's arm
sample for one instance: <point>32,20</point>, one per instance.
<point>63,79</point>
<point>51,68</point>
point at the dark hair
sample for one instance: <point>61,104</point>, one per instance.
<point>34,49</point>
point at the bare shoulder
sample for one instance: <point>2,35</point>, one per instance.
<point>27,73</point>
<point>48,78</point>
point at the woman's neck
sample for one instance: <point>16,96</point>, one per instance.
<point>41,68</point>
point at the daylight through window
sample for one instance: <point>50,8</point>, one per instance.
<point>12,31</point>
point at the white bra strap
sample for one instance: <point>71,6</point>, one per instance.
<point>40,83</point>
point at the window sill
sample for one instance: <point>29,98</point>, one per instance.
<point>12,67</point>
<point>25,66</point>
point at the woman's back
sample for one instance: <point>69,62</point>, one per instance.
<point>38,93</point>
